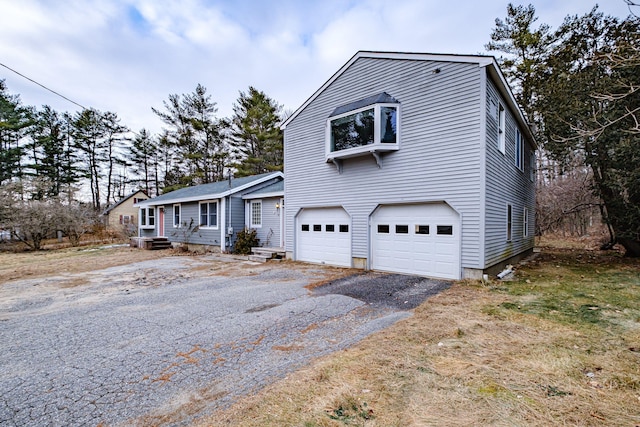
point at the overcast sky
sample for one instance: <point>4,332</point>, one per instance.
<point>127,56</point>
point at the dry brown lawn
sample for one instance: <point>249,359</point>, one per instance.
<point>24,265</point>
<point>558,345</point>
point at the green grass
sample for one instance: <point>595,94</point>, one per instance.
<point>603,292</point>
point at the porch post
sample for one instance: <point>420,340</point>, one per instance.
<point>223,225</point>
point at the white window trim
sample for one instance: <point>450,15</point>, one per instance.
<point>519,150</point>
<point>502,129</point>
<point>525,222</point>
<point>365,149</point>
<point>209,227</point>
<point>532,166</point>
<point>173,214</point>
<point>509,222</point>
<point>252,224</point>
<point>145,217</point>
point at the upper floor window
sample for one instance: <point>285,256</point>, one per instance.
<point>371,124</point>
<point>209,214</point>
<point>501,128</point>
<point>532,166</point>
<point>519,150</point>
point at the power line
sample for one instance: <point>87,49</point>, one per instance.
<point>43,86</point>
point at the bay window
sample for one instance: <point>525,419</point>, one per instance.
<point>371,125</point>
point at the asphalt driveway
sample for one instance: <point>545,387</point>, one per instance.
<point>164,342</point>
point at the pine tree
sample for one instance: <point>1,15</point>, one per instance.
<point>590,104</point>
<point>14,123</point>
<point>143,159</point>
<point>256,138</point>
<point>197,135</point>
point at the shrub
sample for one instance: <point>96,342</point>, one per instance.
<point>245,240</point>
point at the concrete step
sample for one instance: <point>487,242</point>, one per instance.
<point>259,258</point>
<point>157,243</point>
<point>269,252</point>
<point>160,245</point>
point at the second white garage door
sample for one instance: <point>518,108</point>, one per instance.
<point>419,239</point>
<point>323,235</point>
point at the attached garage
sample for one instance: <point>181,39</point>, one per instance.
<point>422,239</point>
<point>323,235</point>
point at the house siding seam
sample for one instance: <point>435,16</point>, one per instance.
<point>438,160</point>
<point>506,184</point>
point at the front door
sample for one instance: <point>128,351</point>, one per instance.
<point>160,222</point>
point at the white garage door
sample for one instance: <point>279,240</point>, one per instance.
<point>324,236</point>
<point>416,239</point>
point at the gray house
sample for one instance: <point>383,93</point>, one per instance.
<point>411,163</point>
<point>212,214</point>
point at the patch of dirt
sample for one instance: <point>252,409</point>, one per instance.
<point>29,265</point>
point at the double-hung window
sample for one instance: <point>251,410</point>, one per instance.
<point>209,214</point>
<point>147,217</point>
<point>176,215</point>
<point>532,166</point>
<point>519,150</point>
<point>256,213</point>
<point>525,222</point>
<point>501,128</point>
<point>369,125</point>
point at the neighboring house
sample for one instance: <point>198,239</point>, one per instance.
<point>411,163</point>
<point>123,216</point>
<point>212,214</point>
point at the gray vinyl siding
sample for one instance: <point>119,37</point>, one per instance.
<point>269,232</point>
<point>439,158</point>
<point>185,233</point>
<point>235,216</point>
<point>505,184</point>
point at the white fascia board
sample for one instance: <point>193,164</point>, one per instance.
<point>263,195</point>
<point>252,183</point>
<point>180,200</point>
<point>214,196</point>
<point>505,90</point>
<point>473,59</point>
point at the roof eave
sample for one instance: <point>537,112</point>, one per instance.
<point>478,59</point>
<point>211,196</point>
<point>505,90</point>
<point>263,195</point>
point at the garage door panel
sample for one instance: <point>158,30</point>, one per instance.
<point>323,236</point>
<point>431,247</point>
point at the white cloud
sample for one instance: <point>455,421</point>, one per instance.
<point>127,56</point>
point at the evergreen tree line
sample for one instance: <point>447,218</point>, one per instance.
<point>579,86</point>
<point>46,154</point>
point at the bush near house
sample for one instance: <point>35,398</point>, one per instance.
<point>246,239</point>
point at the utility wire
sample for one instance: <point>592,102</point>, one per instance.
<point>43,86</point>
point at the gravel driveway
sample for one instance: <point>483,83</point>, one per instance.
<point>164,342</point>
